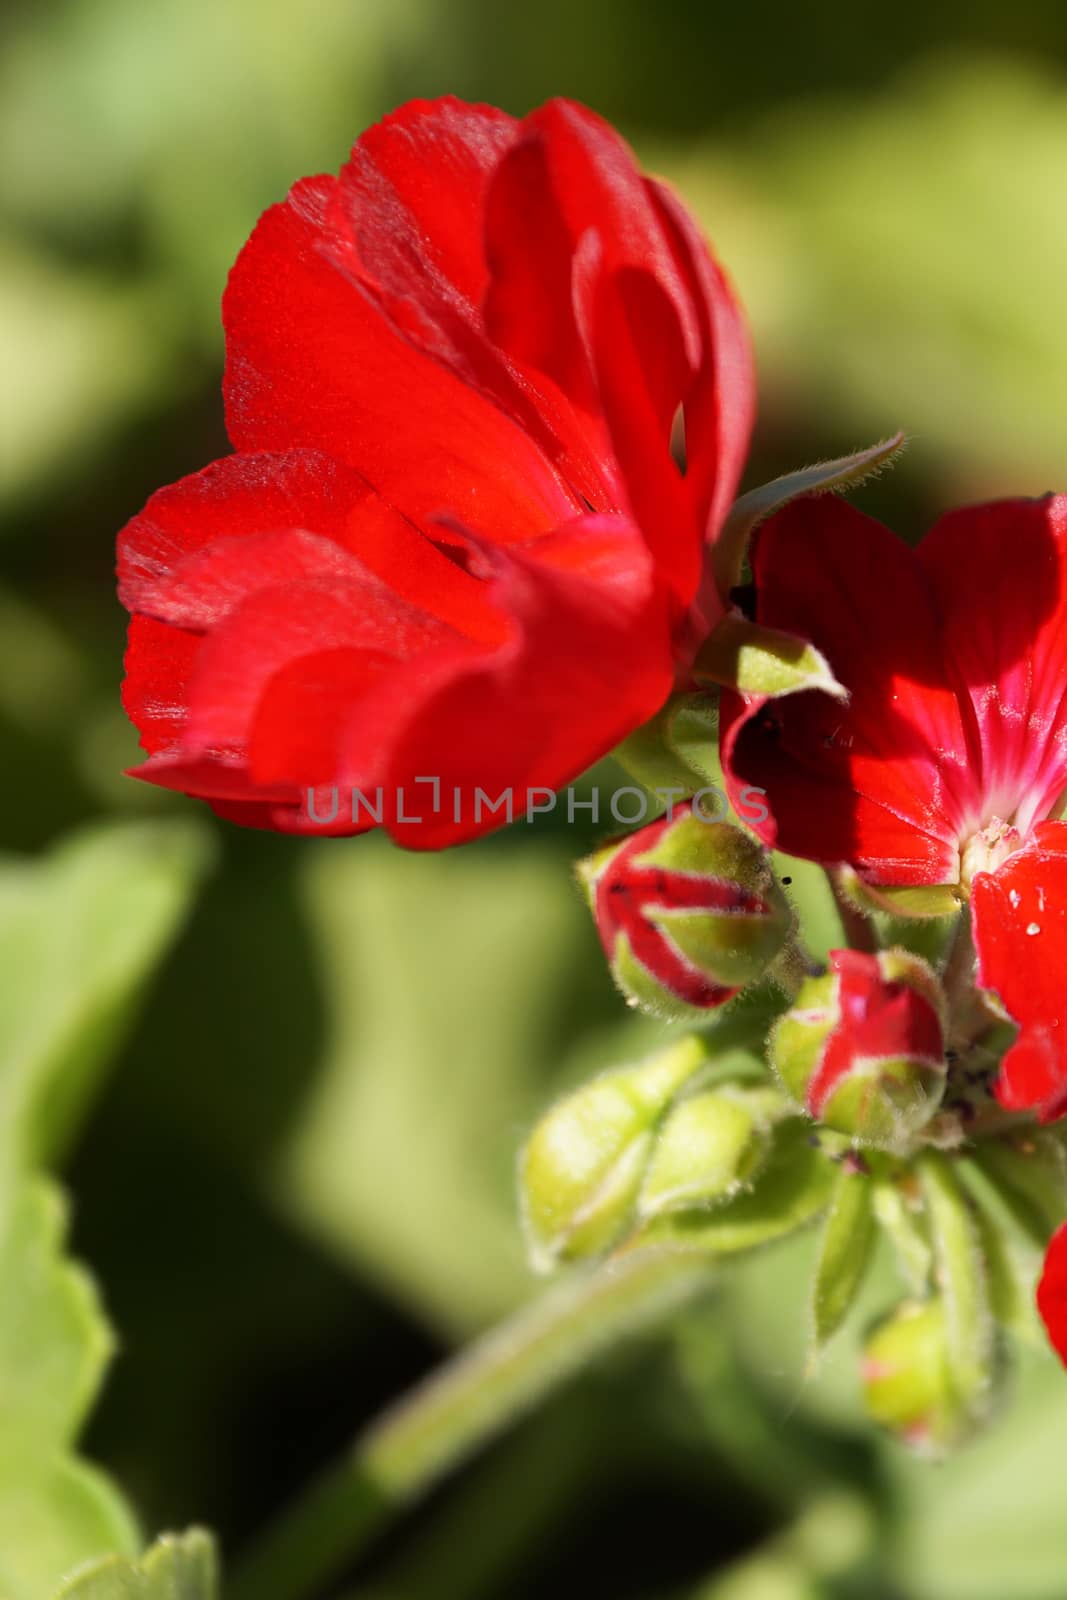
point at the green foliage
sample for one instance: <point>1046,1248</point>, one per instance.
<point>80,933</point>
<point>176,1568</point>
<point>55,1510</point>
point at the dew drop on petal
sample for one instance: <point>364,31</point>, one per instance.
<point>1032,928</point>
<point>1014,896</point>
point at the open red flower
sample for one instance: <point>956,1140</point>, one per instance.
<point>454,543</point>
<point>951,754</point>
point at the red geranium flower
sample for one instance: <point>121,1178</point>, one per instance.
<point>951,753</point>
<point>454,543</point>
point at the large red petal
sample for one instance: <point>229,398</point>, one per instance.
<point>587,662</point>
<point>999,576</point>
<point>275,627</point>
<point>155,692</point>
<point>1020,934</point>
<point>1052,1293</point>
<point>249,522</point>
<point>232,498</point>
<point>721,405</point>
<point>313,361</point>
<point>884,781</point>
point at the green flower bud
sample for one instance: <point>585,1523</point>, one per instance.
<point>581,1171</point>
<point>862,1049</point>
<point>688,912</point>
<point>711,1146</point>
<point>907,1379</point>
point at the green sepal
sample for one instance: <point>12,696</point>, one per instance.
<point>178,1567</point>
<point>825,477</point>
<point>677,749</point>
<point>793,1186</point>
<point>925,901</point>
<point>753,659</point>
<point>844,1252</point>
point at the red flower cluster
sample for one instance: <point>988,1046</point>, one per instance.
<point>951,752</point>
<point>950,757</point>
<point>457,546</point>
<point>454,542</point>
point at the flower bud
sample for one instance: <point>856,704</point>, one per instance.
<point>688,912</point>
<point>862,1049</point>
<point>639,1143</point>
<point>907,1378</point>
<point>582,1168</point>
<point>711,1146</point>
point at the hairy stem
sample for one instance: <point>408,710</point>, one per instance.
<point>860,932</point>
<point>458,1409</point>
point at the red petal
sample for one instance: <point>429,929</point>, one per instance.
<point>720,408</point>
<point>312,361</point>
<point>878,1020</point>
<point>586,664</point>
<point>232,498</point>
<point>1052,1293</point>
<point>1011,656</point>
<point>413,215</point>
<point>247,522</point>
<point>155,693</point>
<point>883,782</point>
<point>1020,934</point>
<point>273,628</point>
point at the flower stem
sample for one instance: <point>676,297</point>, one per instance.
<point>860,932</point>
<point>469,1400</point>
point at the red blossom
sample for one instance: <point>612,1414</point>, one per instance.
<point>453,541</point>
<point>1052,1293</point>
<point>951,752</point>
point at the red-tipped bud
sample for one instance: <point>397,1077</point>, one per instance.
<point>862,1050</point>
<point>688,912</point>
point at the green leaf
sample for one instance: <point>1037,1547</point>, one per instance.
<point>752,659</point>
<point>178,1567</point>
<point>825,477</point>
<point>844,1253</point>
<point>80,933</point>
<point>452,986</point>
<point>55,1511</point>
<point>793,1186</point>
<point>963,1281</point>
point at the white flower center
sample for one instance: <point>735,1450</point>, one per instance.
<point>988,849</point>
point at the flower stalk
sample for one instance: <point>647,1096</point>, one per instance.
<point>465,1404</point>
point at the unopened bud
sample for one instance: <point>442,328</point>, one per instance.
<point>583,1166</point>
<point>688,912</point>
<point>711,1146</point>
<point>907,1379</point>
<point>862,1049</point>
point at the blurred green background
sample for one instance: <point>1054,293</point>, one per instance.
<point>295,1187</point>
